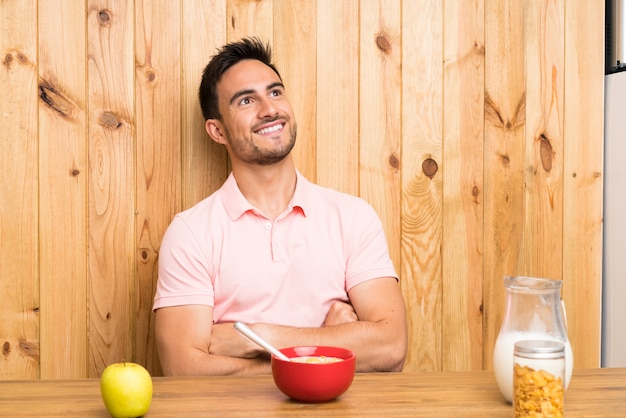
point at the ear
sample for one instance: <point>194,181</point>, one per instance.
<point>215,130</point>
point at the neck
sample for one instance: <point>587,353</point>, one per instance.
<point>268,188</point>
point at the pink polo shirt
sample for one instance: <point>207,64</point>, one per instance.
<point>225,253</point>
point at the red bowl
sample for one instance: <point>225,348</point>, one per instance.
<point>314,382</point>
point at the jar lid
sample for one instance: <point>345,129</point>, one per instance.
<point>547,349</point>
<point>531,283</point>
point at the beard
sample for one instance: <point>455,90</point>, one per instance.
<point>248,152</point>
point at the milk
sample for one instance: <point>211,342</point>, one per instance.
<point>503,359</point>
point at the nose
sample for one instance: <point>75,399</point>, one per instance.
<point>267,108</point>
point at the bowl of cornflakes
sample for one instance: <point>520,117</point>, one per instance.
<point>314,373</point>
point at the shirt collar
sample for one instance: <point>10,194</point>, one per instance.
<point>236,204</point>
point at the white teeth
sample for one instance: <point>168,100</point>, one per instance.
<point>270,129</point>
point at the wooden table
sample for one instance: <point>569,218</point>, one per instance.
<point>592,393</point>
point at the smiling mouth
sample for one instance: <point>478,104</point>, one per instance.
<point>270,129</point>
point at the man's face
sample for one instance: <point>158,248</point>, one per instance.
<point>258,125</point>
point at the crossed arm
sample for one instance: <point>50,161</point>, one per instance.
<point>373,326</point>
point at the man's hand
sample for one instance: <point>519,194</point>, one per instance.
<point>340,313</point>
<point>227,341</point>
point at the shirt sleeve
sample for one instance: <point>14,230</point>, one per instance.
<point>184,273</point>
<point>368,256</point>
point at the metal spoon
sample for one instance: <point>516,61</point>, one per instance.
<point>243,328</point>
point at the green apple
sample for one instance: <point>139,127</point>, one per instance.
<point>126,390</point>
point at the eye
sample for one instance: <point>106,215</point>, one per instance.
<point>245,101</point>
<point>276,93</point>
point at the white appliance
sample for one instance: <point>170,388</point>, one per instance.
<point>614,253</point>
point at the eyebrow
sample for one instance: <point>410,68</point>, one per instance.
<point>250,91</point>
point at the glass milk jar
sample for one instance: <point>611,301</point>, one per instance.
<point>533,311</point>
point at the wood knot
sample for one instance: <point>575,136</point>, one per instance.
<point>74,172</point>
<point>7,60</point>
<point>430,167</point>
<point>55,100</point>
<point>104,17</point>
<point>109,120</point>
<point>382,42</point>
<point>14,56</point>
<point>494,117</point>
<point>21,58</point>
<point>151,75</point>
<point>475,191</point>
<point>545,152</point>
<point>29,349</point>
<point>394,162</point>
<point>6,348</point>
<point>479,48</point>
<point>505,160</point>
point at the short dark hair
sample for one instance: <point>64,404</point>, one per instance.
<point>227,56</point>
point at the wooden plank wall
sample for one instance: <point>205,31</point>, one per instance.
<point>475,129</point>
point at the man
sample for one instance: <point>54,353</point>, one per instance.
<point>300,264</point>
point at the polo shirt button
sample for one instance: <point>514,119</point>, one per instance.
<point>268,225</point>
